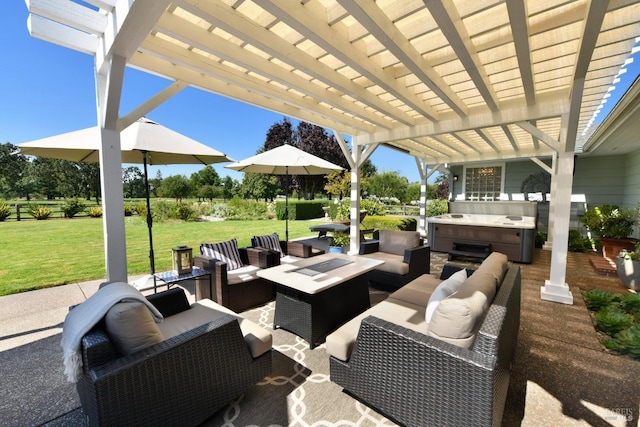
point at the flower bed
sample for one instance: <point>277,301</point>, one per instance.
<point>617,319</point>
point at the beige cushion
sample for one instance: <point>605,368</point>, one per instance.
<point>395,242</point>
<point>204,311</point>
<point>496,264</point>
<point>131,327</point>
<point>446,288</point>
<point>242,274</point>
<point>457,318</point>
<point>392,263</point>
<point>418,291</point>
<point>340,343</point>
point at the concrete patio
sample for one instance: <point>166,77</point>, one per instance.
<point>561,375</point>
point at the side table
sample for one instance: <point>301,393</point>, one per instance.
<point>171,277</point>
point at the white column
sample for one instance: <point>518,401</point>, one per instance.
<point>548,245</point>
<point>354,214</point>
<point>556,289</point>
<point>422,221</point>
<point>115,247</point>
<point>108,92</point>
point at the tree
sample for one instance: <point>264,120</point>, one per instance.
<point>389,184</point>
<point>175,186</point>
<point>133,182</point>
<point>155,183</point>
<point>259,186</point>
<point>206,177</point>
<point>12,167</point>
<point>229,187</point>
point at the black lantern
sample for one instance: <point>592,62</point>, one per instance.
<point>182,259</point>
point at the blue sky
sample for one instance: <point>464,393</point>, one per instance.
<point>46,89</point>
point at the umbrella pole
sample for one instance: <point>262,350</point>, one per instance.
<point>149,217</point>
<point>286,204</point>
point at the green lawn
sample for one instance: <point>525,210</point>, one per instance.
<point>38,254</point>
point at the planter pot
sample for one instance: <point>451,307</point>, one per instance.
<point>336,249</point>
<point>629,272</point>
<point>612,247</point>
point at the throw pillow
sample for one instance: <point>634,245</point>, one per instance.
<point>226,252</point>
<point>445,289</point>
<point>131,327</point>
<point>270,241</point>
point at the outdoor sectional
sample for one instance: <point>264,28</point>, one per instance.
<point>396,362</point>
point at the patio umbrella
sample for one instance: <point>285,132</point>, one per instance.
<point>144,142</point>
<point>285,160</point>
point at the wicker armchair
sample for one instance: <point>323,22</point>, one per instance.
<point>404,255</point>
<point>181,381</point>
<point>240,289</point>
<point>295,249</point>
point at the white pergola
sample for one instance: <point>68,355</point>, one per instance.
<point>447,82</point>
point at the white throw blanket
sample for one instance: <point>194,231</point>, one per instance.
<point>85,316</point>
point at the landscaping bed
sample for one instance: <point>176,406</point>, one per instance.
<point>616,317</point>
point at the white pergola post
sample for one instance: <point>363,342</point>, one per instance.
<point>422,221</point>
<point>556,289</point>
<point>548,244</point>
<point>354,216</point>
<point>108,91</point>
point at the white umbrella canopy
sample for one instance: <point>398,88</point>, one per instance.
<point>285,160</point>
<point>144,142</point>
<point>162,145</point>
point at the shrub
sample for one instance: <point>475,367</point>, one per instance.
<point>246,209</point>
<point>437,207</point>
<point>129,209</point>
<point>95,212</point>
<point>628,342</point>
<point>5,211</point>
<point>597,299</point>
<point>612,320</point>
<point>540,239</point>
<point>340,239</point>
<point>301,209</point>
<point>72,207</point>
<point>373,207</point>
<point>631,303</point>
<point>38,212</point>
<point>610,221</point>
<point>185,212</point>
<point>577,243</point>
<point>140,208</point>
<point>389,222</point>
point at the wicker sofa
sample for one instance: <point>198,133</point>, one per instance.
<point>404,255</point>
<point>393,360</point>
<point>209,356</point>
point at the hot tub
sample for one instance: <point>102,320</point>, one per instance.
<point>511,234</point>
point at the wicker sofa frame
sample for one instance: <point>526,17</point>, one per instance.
<point>418,380</point>
<point>180,381</point>
<point>295,249</point>
<point>237,296</point>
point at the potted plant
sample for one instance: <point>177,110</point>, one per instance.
<point>338,242</point>
<point>613,226</point>
<point>628,267</point>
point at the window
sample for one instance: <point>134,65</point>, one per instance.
<point>483,183</point>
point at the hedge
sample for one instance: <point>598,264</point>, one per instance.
<point>301,209</point>
<point>389,222</point>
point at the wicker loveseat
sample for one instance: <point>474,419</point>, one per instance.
<point>209,356</point>
<point>390,358</point>
<point>404,255</point>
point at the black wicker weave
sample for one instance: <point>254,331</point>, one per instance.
<point>313,316</point>
<point>419,263</point>
<point>418,380</point>
<point>181,381</point>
